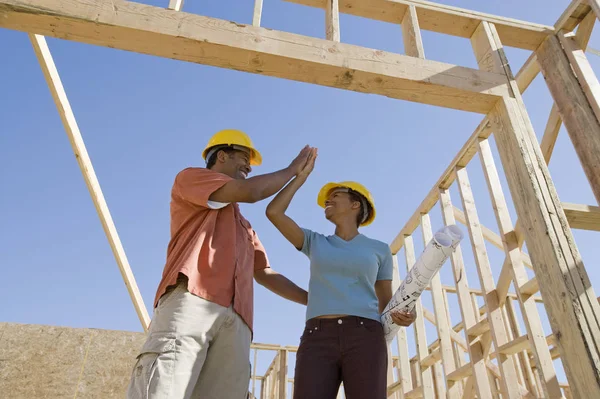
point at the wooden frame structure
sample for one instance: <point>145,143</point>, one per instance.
<point>485,355</point>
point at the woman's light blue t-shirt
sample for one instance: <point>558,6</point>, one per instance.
<point>343,274</point>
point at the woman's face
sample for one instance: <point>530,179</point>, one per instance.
<point>339,206</point>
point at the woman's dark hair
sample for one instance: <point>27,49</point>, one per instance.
<point>213,158</point>
<point>364,213</point>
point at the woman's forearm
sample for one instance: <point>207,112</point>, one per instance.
<point>282,200</point>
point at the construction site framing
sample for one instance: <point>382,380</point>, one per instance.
<point>523,365</point>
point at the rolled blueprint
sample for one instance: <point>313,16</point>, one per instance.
<point>435,254</point>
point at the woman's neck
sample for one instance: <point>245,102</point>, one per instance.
<point>346,231</point>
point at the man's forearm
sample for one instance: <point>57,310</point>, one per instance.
<point>283,287</point>
<point>264,186</point>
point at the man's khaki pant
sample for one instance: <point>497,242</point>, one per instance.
<point>195,349</point>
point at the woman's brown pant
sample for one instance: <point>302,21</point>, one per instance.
<point>349,349</point>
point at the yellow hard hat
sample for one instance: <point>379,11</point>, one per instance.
<point>359,188</point>
<point>233,137</point>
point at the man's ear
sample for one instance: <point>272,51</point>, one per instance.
<point>222,156</point>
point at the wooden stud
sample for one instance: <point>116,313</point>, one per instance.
<point>419,326</point>
<point>176,5</point>
<point>332,20</point>
<point>254,364</point>
<point>444,19</point>
<point>523,357</point>
<point>585,217</point>
<point>282,374</point>
<point>494,311</point>
<point>595,4</point>
<point>551,133</point>
<point>257,15</point>
<point>584,30</point>
<point>577,101</point>
<point>466,308</point>
<point>402,343</point>
<point>441,319</point>
<point>61,101</point>
<point>528,307</point>
<point>187,37</point>
<point>411,33</point>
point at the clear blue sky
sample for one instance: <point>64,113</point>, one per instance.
<point>146,118</point>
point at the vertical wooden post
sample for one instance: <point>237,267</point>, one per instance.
<point>419,327</point>
<point>442,323</point>
<point>332,20</point>
<point>512,249</point>
<point>257,16</point>
<point>402,343</point>
<point>568,295</point>
<point>476,349</point>
<point>282,374</point>
<point>59,95</point>
<point>510,385</point>
<point>411,34</point>
<point>577,99</point>
<point>176,5</point>
<point>254,371</point>
<point>528,377</point>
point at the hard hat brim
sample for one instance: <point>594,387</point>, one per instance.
<point>255,157</point>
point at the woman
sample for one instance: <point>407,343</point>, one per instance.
<point>350,285</point>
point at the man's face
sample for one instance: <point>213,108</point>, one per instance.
<point>237,164</point>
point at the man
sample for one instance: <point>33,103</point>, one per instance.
<point>198,345</point>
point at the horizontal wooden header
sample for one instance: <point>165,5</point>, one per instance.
<point>193,38</point>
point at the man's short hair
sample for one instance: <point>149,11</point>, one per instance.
<point>212,159</point>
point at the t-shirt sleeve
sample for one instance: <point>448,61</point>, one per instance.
<point>309,237</point>
<point>386,267</point>
<point>196,185</point>
<point>261,261</point>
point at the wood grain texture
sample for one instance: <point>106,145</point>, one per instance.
<point>443,19</point>
<point>210,41</point>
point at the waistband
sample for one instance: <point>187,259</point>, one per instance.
<point>345,320</point>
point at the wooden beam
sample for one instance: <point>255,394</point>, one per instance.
<point>332,20</point>
<point>515,346</point>
<point>564,283</point>
<point>419,328</point>
<point>210,41</point>
<point>492,237</point>
<point>512,249</point>
<point>476,349</point>
<point>573,15</point>
<point>584,30</point>
<point>443,19</point>
<point>523,357</point>
<point>510,386</point>
<point>411,34</point>
<point>577,112</point>
<point>61,101</point>
<point>584,217</point>
<point>404,377</point>
<point>441,320</point>
<point>551,133</point>
<point>282,374</point>
<point>257,15</point>
<point>595,4</point>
